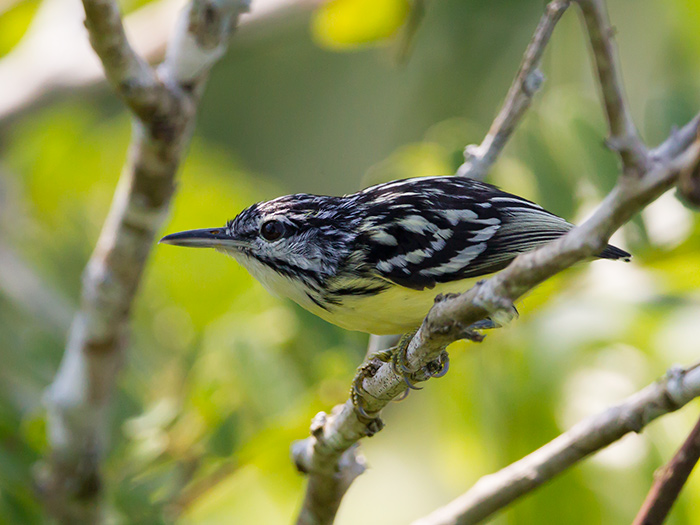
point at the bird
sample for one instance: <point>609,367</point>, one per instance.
<point>374,261</point>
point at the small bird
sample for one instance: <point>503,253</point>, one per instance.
<point>373,261</point>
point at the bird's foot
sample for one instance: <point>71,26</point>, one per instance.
<point>398,357</point>
<point>358,392</point>
<point>399,362</point>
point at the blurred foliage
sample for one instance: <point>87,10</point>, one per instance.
<point>221,377</point>
<point>15,18</point>
<point>342,24</point>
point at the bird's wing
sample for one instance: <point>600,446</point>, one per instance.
<point>427,231</point>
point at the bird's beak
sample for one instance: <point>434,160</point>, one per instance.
<point>204,238</point>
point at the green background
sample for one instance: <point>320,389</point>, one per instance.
<point>221,377</point>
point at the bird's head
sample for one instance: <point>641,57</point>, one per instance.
<point>295,235</point>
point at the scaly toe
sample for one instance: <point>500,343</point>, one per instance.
<point>442,365</point>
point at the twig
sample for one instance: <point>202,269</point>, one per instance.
<point>623,134</point>
<point>31,76</point>
<point>194,490</point>
<point>165,105</point>
<point>128,73</point>
<point>669,481</point>
<point>479,159</point>
<point>493,492</point>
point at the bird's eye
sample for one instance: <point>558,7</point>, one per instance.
<point>272,230</point>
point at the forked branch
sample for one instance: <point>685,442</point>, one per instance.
<point>164,104</point>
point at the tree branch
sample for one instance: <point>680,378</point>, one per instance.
<point>34,72</point>
<point>479,159</point>
<point>449,318</point>
<point>128,73</point>
<point>623,134</point>
<point>77,400</point>
<point>669,481</point>
<point>493,492</point>
<point>323,455</point>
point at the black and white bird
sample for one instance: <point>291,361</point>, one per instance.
<point>374,260</point>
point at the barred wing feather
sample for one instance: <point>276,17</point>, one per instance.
<point>421,232</point>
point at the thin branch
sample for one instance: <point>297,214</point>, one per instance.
<point>689,186</point>
<point>329,480</point>
<point>528,80</point>
<point>78,399</point>
<point>623,134</point>
<point>34,72</point>
<point>128,73</point>
<point>201,39</point>
<point>493,492</point>
<point>194,490</point>
<point>669,481</point>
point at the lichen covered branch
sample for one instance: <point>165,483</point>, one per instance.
<point>164,107</point>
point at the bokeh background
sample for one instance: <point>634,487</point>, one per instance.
<point>221,377</point>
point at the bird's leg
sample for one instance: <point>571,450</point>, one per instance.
<point>397,356</point>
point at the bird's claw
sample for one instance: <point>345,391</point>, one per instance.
<point>357,391</point>
<point>399,364</point>
<point>440,366</point>
<point>473,331</point>
<point>399,361</point>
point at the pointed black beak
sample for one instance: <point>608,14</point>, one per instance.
<point>204,238</point>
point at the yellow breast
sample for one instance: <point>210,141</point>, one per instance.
<point>394,311</point>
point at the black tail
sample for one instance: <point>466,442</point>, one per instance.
<point>615,253</point>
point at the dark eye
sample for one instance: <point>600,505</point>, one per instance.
<point>272,230</point>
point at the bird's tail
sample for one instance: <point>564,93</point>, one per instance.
<point>615,253</point>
